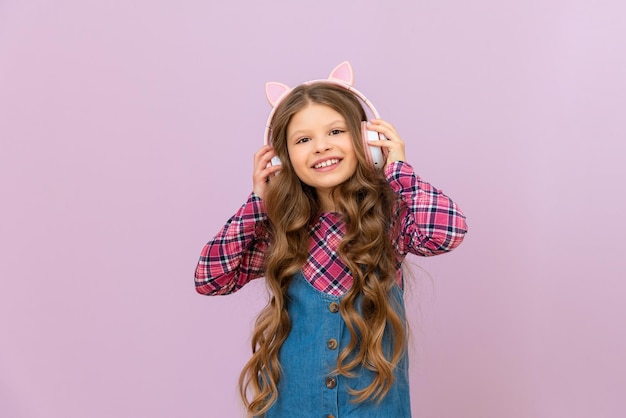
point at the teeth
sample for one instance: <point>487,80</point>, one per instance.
<point>326,163</point>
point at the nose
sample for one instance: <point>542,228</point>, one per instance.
<point>322,144</point>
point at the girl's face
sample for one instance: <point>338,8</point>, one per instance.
<point>321,149</point>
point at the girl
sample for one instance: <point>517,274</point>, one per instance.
<point>329,232</point>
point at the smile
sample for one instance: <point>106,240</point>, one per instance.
<point>326,163</point>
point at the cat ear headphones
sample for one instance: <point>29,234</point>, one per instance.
<point>342,76</point>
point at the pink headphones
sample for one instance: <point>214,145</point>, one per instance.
<point>343,76</point>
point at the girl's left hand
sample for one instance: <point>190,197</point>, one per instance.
<point>394,145</point>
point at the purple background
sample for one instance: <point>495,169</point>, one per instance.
<point>127,131</point>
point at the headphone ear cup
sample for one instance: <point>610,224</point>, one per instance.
<point>376,156</point>
<point>276,161</point>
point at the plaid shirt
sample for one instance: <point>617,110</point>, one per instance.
<point>431,224</point>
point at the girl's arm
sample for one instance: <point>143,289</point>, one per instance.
<point>430,223</point>
<point>235,256</point>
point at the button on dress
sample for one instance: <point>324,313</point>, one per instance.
<point>307,388</point>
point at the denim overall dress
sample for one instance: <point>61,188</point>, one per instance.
<point>307,389</point>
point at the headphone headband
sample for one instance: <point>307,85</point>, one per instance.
<point>342,76</point>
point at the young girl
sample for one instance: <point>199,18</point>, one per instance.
<point>329,233</point>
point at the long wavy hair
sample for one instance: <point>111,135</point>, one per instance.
<point>368,206</point>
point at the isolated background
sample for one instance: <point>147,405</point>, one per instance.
<point>127,131</point>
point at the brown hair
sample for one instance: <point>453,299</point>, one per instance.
<point>368,205</point>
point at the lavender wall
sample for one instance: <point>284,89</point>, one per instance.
<point>127,131</point>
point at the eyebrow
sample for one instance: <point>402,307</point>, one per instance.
<point>335,122</point>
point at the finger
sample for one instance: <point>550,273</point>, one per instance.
<point>382,123</point>
<point>379,121</point>
<point>384,128</point>
<point>273,170</point>
<point>382,144</point>
<point>391,147</point>
<point>262,152</point>
<point>264,170</point>
<point>263,156</point>
<point>261,162</point>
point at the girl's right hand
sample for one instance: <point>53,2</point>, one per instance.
<point>262,170</point>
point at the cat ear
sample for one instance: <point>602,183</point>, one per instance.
<point>343,72</point>
<point>275,91</point>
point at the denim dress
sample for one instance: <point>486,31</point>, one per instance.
<point>307,389</point>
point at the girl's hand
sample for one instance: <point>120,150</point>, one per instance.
<point>394,145</point>
<point>262,172</point>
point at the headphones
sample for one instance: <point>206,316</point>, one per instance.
<point>342,76</point>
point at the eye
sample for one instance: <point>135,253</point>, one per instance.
<point>303,139</point>
<point>336,132</point>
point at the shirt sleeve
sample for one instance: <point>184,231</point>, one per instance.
<point>430,222</point>
<point>236,254</point>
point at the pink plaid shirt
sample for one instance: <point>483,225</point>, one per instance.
<point>431,224</point>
